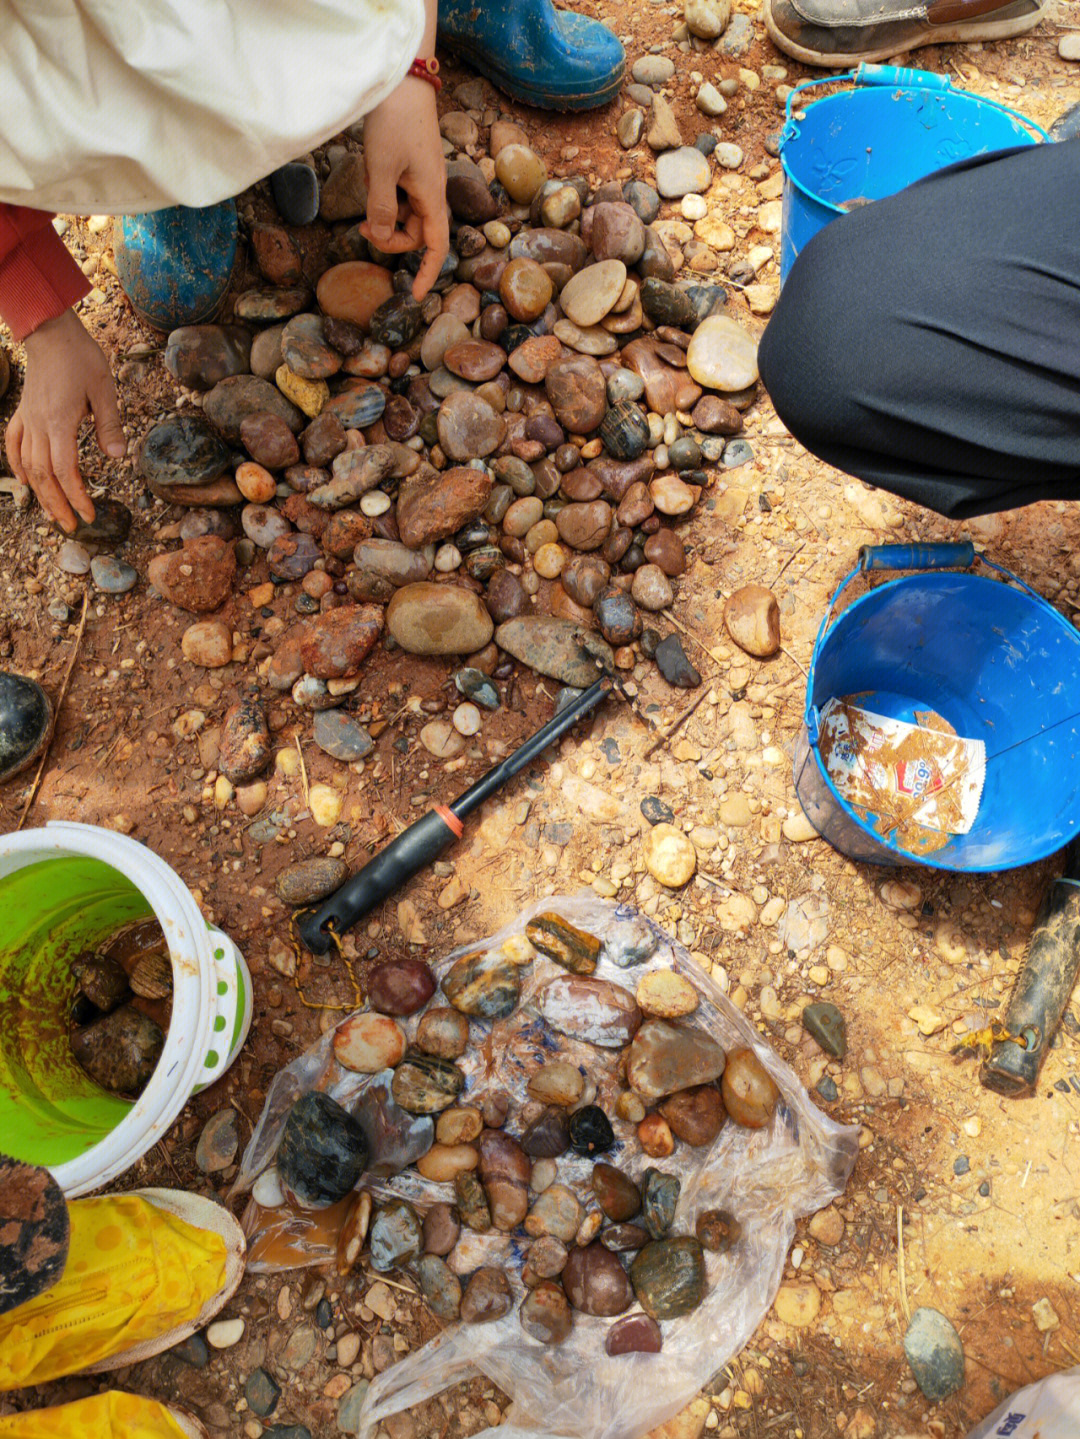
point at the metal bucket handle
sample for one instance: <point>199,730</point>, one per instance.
<point>890,75</point>
<point>942,556</point>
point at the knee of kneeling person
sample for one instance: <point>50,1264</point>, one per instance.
<point>799,337</point>
<point>786,362</point>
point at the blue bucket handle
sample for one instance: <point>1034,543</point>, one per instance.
<point>917,557</point>
<point>942,556</point>
<point>901,76</point>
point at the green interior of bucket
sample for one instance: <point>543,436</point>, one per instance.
<point>50,1110</point>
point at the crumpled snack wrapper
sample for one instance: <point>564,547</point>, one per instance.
<point>920,783</point>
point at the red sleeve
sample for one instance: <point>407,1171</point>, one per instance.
<point>38,278</point>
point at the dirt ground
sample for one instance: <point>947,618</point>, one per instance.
<point>984,1191</point>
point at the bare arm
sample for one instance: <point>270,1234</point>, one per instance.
<point>403,151</point>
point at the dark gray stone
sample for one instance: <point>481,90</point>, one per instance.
<point>339,735</point>
<point>113,576</point>
<point>656,811</point>
<point>193,1351</point>
<point>348,1414</point>
<point>296,193</point>
<point>476,686</point>
<point>1067,125</point>
<point>935,1353</point>
<point>642,199</point>
<point>673,664</point>
<point>262,1393</point>
<point>827,1026</point>
<point>736,453</point>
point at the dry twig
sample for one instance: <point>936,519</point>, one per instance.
<point>669,729</point>
<point>901,1275</point>
<point>303,770</point>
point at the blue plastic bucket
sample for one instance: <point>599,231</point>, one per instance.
<point>895,127</point>
<point>995,660</point>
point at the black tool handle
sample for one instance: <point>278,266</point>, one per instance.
<point>534,746</point>
<point>413,850</point>
<point>1042,990</point>
<point>425,840</point>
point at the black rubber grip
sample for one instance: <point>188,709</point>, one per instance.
<point>385,872</point>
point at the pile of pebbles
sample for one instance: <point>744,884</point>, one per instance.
<point>541,1200</point>
<point>501,472</point>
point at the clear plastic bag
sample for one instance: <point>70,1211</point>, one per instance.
<point>1049,1409</point>
<point>765,1179</point>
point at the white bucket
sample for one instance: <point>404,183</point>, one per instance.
<point>211,1005</point>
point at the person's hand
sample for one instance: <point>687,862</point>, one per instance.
<point>403,150</point>
<point>67,378</point>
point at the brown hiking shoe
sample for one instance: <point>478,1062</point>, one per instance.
<point>838,33</point>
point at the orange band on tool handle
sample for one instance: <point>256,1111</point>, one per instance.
<point>449,818</point>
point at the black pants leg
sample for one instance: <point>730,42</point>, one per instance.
<point>930,343</point>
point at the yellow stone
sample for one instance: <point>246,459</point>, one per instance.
<point>307,395</point>
<point>735,913</point>
<point>797,1304</point>
<point>669,856</point>
<point>770,216</point>
<point>666,995</point>
<point>409,922</point>
<point>325,803</point>
<point>927,1018</point>
<point>715,232</point>
<point>798,829</point>
<point>251,797</point>
<point>549,560</point>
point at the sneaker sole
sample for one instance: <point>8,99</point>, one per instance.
<point>946,35</point>
<point>200,1213</point>
<point>192,1427</point>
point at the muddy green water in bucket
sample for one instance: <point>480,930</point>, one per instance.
<point>50,1111</point>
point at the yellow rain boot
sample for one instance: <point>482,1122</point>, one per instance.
<point>104,1416</point>
<point>144,1270</point>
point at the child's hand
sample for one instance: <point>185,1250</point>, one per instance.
<point>67,378</point>
<point>403,150</point>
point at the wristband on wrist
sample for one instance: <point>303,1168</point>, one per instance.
<point>427,70</point>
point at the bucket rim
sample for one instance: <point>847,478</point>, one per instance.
<point>933,578</point>
<point>189,941</point>
<point>866,79</point>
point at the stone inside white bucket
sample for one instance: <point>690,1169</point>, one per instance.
<point>63,889</point>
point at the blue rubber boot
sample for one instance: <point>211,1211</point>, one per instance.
<point>553,59</point>
<point>175,264</point>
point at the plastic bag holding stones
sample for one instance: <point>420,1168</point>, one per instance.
<point>1049,1409</point>
<point>766,1179</point>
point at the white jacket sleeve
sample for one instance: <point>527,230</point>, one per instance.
<point>124,106</point>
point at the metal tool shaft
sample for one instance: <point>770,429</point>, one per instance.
<point>422,843</point>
